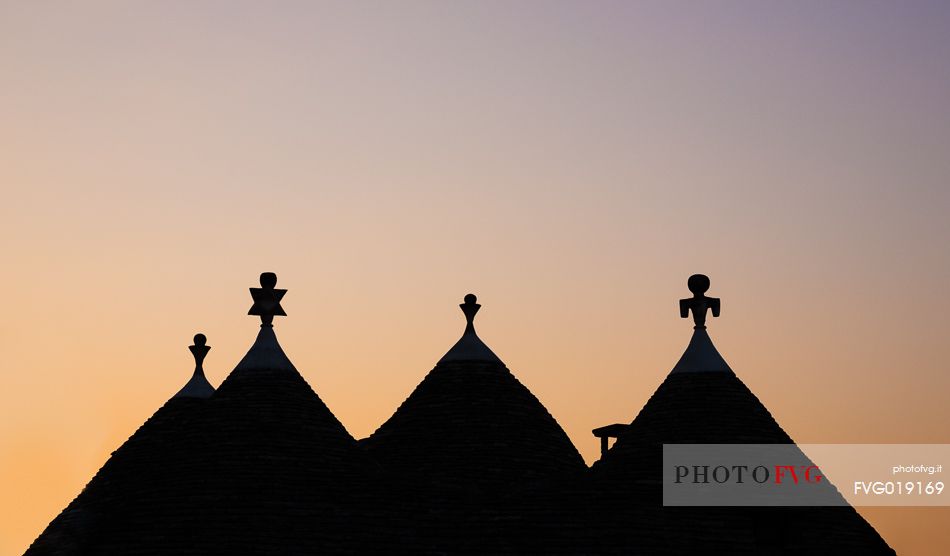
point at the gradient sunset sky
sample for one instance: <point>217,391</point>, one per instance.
<point>571,163</point>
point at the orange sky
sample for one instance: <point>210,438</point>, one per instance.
<point>570,163</point>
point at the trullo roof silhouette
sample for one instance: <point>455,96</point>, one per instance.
<point>131,472</point>
<point>264,468</point>
<point>702,401</point>
<point>470,463</point>
<point>469,438</point>
<point>281,473</point>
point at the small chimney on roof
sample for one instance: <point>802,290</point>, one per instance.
<point>607,432</point>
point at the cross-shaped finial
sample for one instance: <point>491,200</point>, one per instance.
<point>470,307</point>
<point>699,284</point>
<point>267,300</point>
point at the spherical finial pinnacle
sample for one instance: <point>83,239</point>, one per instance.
<point>268,280</point>
<point>198,386</point>
<point>469,308</point>
<point>698,284</point>
<point>200,349</point>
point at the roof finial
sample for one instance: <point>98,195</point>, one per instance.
<point>200,350</point>
<point>470,307</point>
<point>470,347</point>
<point>699,284</point>
<point>267,300</point>
<point>198,386</point>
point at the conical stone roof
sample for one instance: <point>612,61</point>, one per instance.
<point>467,438</point>
<point>470,425</point>
<point>132,471</point>
<point>702,401</point>
<point>264,468</point>
<point>281,475</point>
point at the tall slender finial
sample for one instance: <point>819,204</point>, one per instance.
<point>699,303</point>
<point>470,347</point>
<point>200,350</point>
<point>267,300</point>
<point>198,386</point>
<point>469,308</point>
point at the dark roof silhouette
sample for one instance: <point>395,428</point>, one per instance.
<point>466,440</point>
<point>702,401</point>
<point>157,445</point>
<point>471,426</point>
<point>470,463</point>
<point>280,473</point>
<point>265,468</point>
